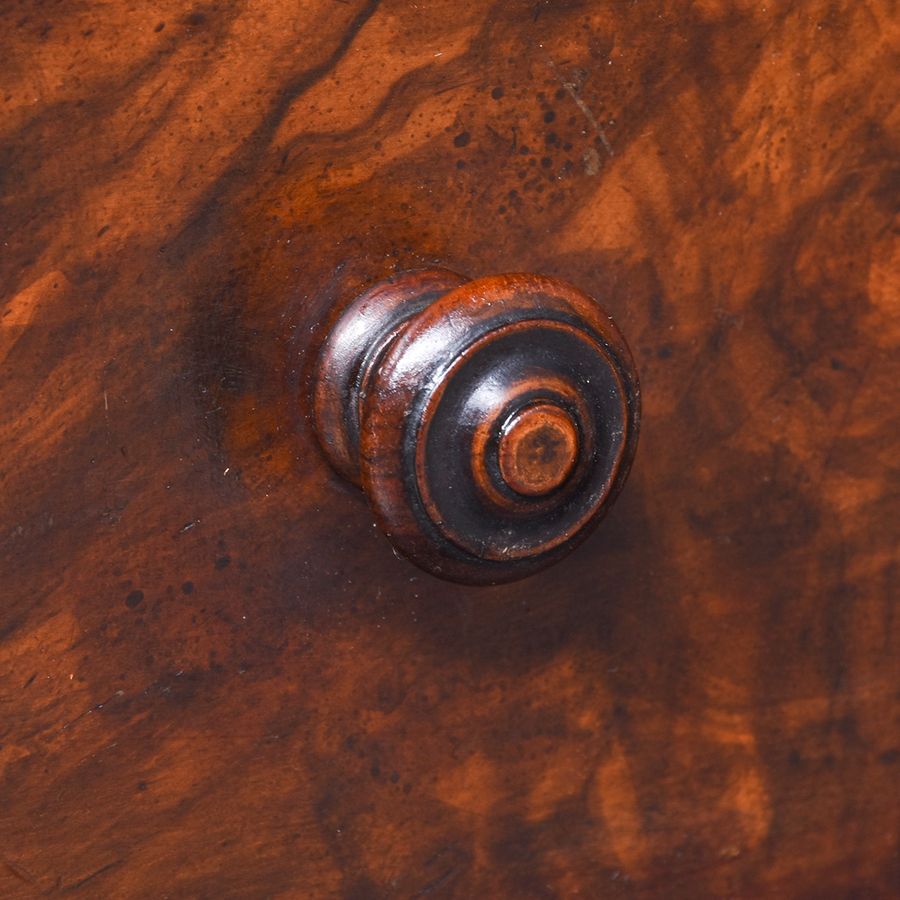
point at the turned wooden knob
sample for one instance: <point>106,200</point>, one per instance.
<point>490,422</point>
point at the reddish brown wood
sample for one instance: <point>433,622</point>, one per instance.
<point>354,347</point>
<point>214,682</point>
<point>452,393</point>
<point>538,449</point>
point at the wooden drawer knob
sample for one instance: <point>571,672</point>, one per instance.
<point>490,422</point>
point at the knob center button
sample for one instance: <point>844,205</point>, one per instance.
<point>538,449</point>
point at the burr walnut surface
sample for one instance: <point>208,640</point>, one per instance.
<point>215,682</point>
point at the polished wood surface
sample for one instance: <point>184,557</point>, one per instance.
<point>214,682</point>
<point>538,449</point>
<point>363,327</point>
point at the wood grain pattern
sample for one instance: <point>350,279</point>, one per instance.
<point>213,681</point>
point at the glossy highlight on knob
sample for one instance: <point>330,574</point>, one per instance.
<point>490,422</point>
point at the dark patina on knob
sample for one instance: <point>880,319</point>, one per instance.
<point>491,422</point>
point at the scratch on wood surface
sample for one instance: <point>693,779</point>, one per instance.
<point>438,882</point>
<point>19,871</point>
<point>457,85</point>
<point>87,878</point>
<point>95,708</point>
<point>572,90</point>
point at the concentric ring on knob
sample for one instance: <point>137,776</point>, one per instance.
<point>538,449</point>
<point>484,373</point>
<point>353,350</point>
<point>490,442</point>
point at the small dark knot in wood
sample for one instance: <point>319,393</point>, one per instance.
<point>491,422</point>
